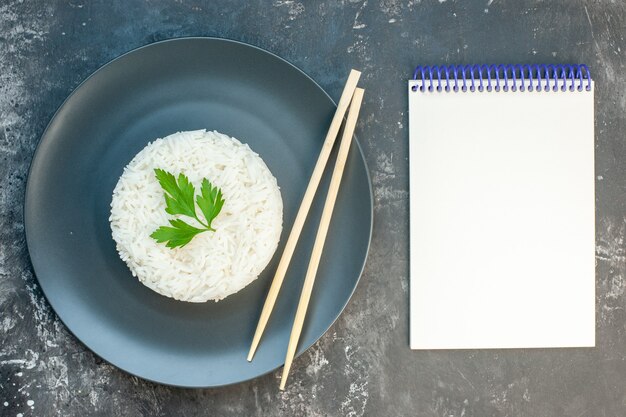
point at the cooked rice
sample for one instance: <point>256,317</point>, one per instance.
<point>214,264</point>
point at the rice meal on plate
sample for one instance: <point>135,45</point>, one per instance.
<point>196,216</point>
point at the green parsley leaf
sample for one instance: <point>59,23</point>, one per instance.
<point>179,234</point>
<point>179,200</point>
<point>210,201</point>
<point>179,195</point>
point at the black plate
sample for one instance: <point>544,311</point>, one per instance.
<point>187,84</point>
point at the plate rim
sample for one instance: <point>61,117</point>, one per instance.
<point>27,190</point>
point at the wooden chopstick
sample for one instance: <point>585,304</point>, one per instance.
<point>322,231</point>
<point>303,211</point>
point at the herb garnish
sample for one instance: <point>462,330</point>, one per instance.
<point>179,200</point>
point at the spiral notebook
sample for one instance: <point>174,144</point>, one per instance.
<point>502,207</point>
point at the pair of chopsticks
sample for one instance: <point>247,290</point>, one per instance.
<point>351,97</point>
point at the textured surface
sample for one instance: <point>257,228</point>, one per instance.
<point>363,365</point>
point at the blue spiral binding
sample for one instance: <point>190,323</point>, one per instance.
<point>497,77</point>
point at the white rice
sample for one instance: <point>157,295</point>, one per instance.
<point>214,264</point>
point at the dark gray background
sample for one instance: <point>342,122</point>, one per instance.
<point>363,366</point>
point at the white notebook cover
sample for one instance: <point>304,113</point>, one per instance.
<point>501,219</point>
